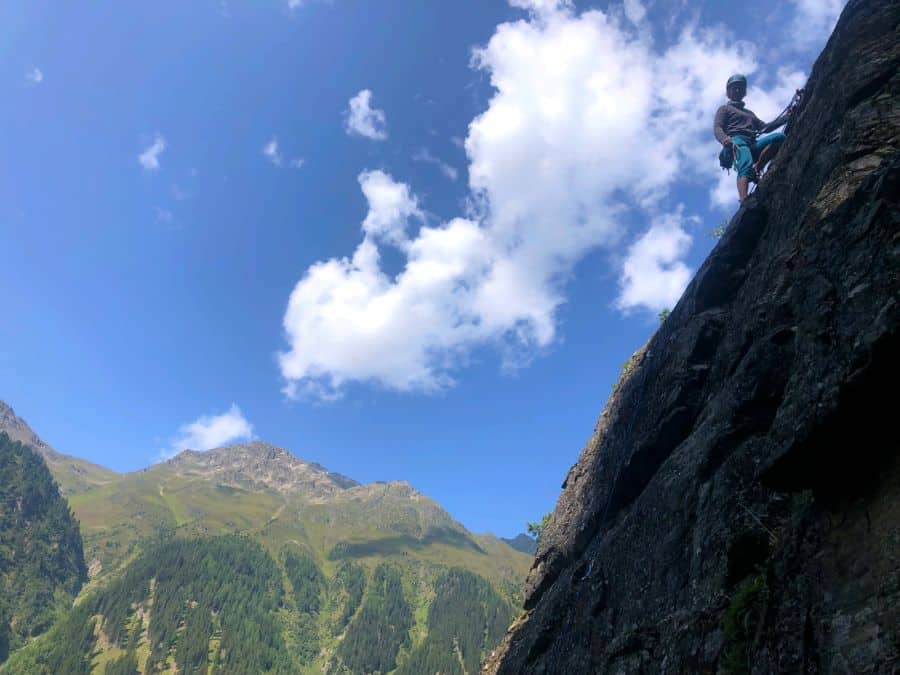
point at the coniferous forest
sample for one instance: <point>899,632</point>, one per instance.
<point>466,619</point>
<point>212,605</point>
<point>41,559</point>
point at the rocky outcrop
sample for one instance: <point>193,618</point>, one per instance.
<point>261,466</point>
<point>738,506</point>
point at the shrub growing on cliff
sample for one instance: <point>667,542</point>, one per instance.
<point>742,620</point>
<point>537,529</point>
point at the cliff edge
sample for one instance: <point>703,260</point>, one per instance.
<point>738,506</point>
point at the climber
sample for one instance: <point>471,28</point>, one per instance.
<point>738,129</point>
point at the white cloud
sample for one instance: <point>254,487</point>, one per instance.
<point>814,20</point>
<point>768,103</point>
<point>724,195</point>
<point>211,431</point>
<point>272,152</point>
<point>541,7</point>
<point>294,4</point>
<point>635,11</point>
<point>653,275</point>
<point>348,320</point>
<point>425,156</point>
<point>35,75</point>
<point>391,205</point>
<point>363,120</point>
<point>588,122</point>
<point>149,158</point>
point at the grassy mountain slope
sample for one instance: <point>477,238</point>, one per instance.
<point>247,491</point>
<point>356,566</point>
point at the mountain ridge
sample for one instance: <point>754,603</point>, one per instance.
<point>264,464</point>
<point>118,510</point>
<point>72,474</point>
<point>347,551</point>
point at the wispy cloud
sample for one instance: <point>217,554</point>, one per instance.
<point>424,155</point>
<point>272,152</point>
<point>361,119</point>
<point>164,215</point>
<point>814,20</point>
<point>210,431</point>
<point>149,158</point>
<point>35,75</point>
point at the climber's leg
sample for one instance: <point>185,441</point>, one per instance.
<point>743,164</point>
<point>768,145</point>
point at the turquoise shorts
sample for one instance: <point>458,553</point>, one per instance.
<point>747,151</point>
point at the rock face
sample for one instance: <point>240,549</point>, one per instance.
<point>259,465</point>
<point>738,506</point>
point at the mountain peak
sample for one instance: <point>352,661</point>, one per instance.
<point>261,465</point>
<point>18,429</point>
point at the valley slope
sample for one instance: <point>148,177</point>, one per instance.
<point>342,552</point>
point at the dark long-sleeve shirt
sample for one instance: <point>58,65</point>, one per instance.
<point>733,120</point>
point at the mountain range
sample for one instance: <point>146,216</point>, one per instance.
<point>341,557</point>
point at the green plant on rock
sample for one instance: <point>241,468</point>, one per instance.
<point>536,529</point>
<point>743,618</point>
<point>717,232</point>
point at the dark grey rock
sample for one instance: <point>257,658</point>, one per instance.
<point>738,506</point>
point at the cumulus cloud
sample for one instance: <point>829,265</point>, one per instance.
<point>391,205</point>
<point>272,152</point>
<point>149,158</point>
<point>653,275</point>
<point>814,20</point>
<point>35,75</point>
<point>588,123</point>
<point>348,320</point>
<point>424,155</point>
<point>361,119</point>
<point>211,431</point>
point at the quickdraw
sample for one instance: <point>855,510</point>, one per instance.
<point>792,108</point>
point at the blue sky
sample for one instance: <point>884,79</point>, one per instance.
<point>407,240</point>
